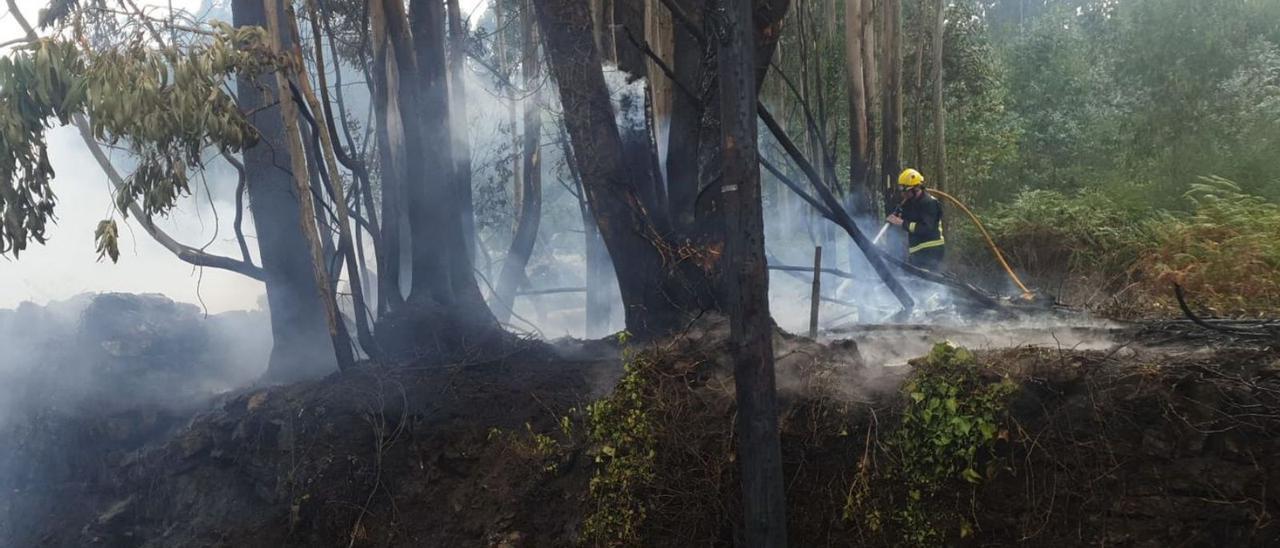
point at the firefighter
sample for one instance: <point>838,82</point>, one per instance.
<point>921,216</point>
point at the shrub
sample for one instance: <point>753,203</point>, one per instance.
<point>1226,252</point>
<point>1052,237</point>
<point>1225,249</point>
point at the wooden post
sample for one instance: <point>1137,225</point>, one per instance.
<point>817,292</point>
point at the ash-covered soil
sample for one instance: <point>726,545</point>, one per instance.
<point>1108,441</point>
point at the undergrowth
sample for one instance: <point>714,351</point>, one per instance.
<point>1094,251</point>
<point>1226,253</point>
<point>622,431</point>
<point>951,420</point>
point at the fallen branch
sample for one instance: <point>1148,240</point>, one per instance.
<point>1265,330</point>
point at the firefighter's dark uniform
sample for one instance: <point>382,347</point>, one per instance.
<point>922,219</point>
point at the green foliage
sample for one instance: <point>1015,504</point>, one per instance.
<point>982,133</point>
<point>1226,253</point>
<point>952,415</point>
<point>532,445</point>
<point>36,83</point>
<point>1218,250</point>
<point>1141,98</point>
<point>1051,235</point>
<point>623,430</point>
<point>167,105</point>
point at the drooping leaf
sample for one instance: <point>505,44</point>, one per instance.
<point>107,236</point>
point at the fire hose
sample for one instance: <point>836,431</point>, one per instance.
<point>995,250</point>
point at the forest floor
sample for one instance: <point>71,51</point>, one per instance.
<point>1144,434</point>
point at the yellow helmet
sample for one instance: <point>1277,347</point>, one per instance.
<point>910,178</point>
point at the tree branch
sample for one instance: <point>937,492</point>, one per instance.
<point>186,253</point>
<point>238,225</point>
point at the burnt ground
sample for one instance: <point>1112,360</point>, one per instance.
<point>1123,442</point>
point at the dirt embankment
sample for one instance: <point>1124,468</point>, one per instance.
<point>1123,446</point>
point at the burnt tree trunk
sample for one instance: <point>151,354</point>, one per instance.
<point>751,328</point>
<point>429,145</point>
<point>709,226</point>
<point>391,151</point>
<point>664,275</point>
<point>513,268</point>
<point>656,295</point>
<point>445,314</point>
<point>682,143</point>
<point>301,347</point>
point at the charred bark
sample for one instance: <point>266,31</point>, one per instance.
<point>709,223</point>
<point>445,315</point>
<point>686,111</point>
<point>751,328</point>
<point>430,146</point>
<point>655,291</point>
<point>391,157</point>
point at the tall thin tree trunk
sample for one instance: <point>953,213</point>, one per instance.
<point>301,347</point>
<point>918,98</point>
<point>391,151</point>
<point>806,90</point>
<point>461,140</point>
<point>939,108</point>
<point>751,328</point>
<point>658,31</point>
<point>891,100</point>
<point>599,276</point>
<point>513,268</point>
<point>862,202</point>
<point>346,247</point>
<point>610,31</point>
<point>597,23</point>
<point>686,113</point>
<point>293,140</point>
<point>503,49</point>
<point>871,77</point>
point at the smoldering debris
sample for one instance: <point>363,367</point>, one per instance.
<point>111,351</point>
<point>86,382</point>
